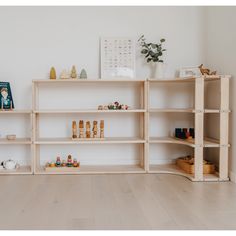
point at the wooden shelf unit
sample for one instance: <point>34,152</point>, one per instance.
<point>84,169</point>
<point>144,111</point>
<point>200,141</point>
<point>25,169</point>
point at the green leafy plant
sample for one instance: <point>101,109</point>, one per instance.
<point>152,51</point>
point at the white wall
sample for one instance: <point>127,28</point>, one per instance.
<point>35,38</point>
<point>220,55</point>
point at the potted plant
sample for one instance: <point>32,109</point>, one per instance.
<point>153,53</point>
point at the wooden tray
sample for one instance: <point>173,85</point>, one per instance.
<point>62,169</point>
<point>87,139</point>
<point>189,168</point>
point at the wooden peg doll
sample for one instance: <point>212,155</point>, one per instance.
<point>74,129</point>
<point>81,129</point>
<point>95,129</point>
<point>88,134</point>
<point>102,129</point>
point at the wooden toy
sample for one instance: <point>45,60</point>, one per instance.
<point>73,74</point>
<point>11,137</point>
<point>75,163</point>
<point>205,71</point>
<point>58,162</point>
<point>83,74</point>
<point>53,73</point>
<point>100,107</point>
<point>64,75</point>
<point>88,133</point>
<point>63,164</point>
<point>102,129</point>
<point>81,129</point>
<point>95,129</point>
<point>52,164</point>
<point>184,133</point>
<point>69,161</point>
<point>74,129</point>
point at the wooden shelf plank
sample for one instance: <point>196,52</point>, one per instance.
<point>16,141</point>
<point>113,80</point>
<point>174,169</point>
<point>15,111</point>
<point>188,110</point>
<point>98,169</point>
<point>208,142</point>
<point>88,111</point>
<point>110,140</point>
<point>22,170</point>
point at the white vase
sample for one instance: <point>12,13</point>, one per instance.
<point>157,70</point>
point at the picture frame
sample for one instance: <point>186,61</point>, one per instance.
<point>6,100</point>
<point>117,57</point>
<point>188,72</point>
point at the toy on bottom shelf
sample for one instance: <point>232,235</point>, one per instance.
<point>113,106</point>
<point>205,71</point>
<point>95,129</point>
<point>184,133</point>
<point>65,164</point>
<point>187,164</point>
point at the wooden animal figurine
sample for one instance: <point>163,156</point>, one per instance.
<point>83,74</point>
<point>74,129</point>
<point>205,71</point>
<point>81,129</point>
<point>69,161</point>
<point>53,73</point>
<point>95,129</point>
<point>88,133</point>
<point>102,129</point>
<point>73,74</point>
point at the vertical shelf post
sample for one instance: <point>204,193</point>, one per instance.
<point>199,119</point>
<point>224,124</point>
<point>146,125</point>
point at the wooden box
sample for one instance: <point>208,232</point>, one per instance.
<point>188,167</point>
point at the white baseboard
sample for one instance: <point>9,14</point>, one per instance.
<point>232,176</point>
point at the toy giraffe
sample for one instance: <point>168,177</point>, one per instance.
<point>88,134</point>
<point>81,129</point>
<point>74,129</point>
<point>95,129</point>
<point>102,129</point>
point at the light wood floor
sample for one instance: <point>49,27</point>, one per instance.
<point>136,201</point>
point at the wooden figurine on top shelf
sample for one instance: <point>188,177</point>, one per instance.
<point>83,74</point>
<point>81,129</point>
<point>95,129</point>
<point>74,129</point>
<point>58,162</point>
<point>75,163</point>
<point>53,74</point>
<point>102,129</point>
<point>205,71</point>
<point>73,74</point>
<point>88,133</point>
<point>64,75</point>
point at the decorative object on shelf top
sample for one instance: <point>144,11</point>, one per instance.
<point>64,75</point>
<point>184,133</point>
<point>53,74</point>
<point>205,71</point>
<point>187,165</point>
<point>189,72</point>
<point>64,163</point>
<point>87,135</point>
<point>73,73</point>
<point>10,165</point>
<point>11,137</point>
<point>113,106</point>
<point>83,74</point>
<point>117,57</point>
<point>153,53</point>
<point>6,96</point>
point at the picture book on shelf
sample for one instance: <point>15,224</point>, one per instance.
<point>6,100</point>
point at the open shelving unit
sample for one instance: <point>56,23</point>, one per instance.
<point>142,140</point>
<point>138,111</point>
<point>23,169</point>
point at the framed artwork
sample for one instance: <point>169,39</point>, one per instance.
<point>6,100</point>
<point>189,72</point>
<point>117,57</point>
